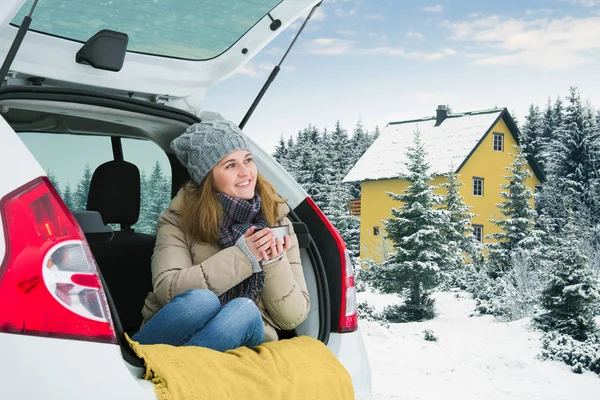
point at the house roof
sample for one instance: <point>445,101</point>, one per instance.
<point>448,145</point>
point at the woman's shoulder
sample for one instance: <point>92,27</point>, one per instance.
<point>176,204</point>
<point>172,214</point>
<point>282,213</point>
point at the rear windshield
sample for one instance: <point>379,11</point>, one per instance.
<point>187,29</point>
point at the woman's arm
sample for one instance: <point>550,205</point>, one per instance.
<point>173,268</point>
<point>285,295</point>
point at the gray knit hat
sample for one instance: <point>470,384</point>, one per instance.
<point>204,144</point>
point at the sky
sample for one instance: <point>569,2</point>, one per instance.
<point>390,60</point>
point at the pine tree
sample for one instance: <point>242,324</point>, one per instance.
<point>68,197</point>
<point>158,197</point>
<point>308,164</point>
<point>572,156</point>
<point>458,231</point>
<point>568,300</point>
<point>415,228</point>
<point>144,224</point>
<point>376,133</point>
<point>281,150</point>
<point>340,151</point>
<point>83,187</point>
<point>288,161</point>
<point>360,142</point>
<point>547,133</point>
<point>516,120</point>
<point>338,212</point>
<point>533,131</point>
<point>517,226</point>
<point>54,181</point>
<point>558,113</point>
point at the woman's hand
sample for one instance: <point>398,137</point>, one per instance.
<point>278,247</point>
<point>259,242</point>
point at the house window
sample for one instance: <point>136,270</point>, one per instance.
<point>376,230</point>
<point>498,141</point>
<point>478,187</point>
<point>478,232</point>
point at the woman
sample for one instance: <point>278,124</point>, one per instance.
<point>220,278</point>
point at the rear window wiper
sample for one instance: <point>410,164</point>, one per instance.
<point>14,48</point>
<point>276,70</point>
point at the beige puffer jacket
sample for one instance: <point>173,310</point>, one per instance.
<point>178,265</point>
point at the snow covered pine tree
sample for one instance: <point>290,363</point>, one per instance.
<point>416,229</point>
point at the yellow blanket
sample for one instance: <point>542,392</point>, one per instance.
<point>301,368</point>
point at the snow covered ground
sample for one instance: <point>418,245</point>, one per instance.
<point>474,358</point>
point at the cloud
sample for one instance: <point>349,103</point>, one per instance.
<point>330,46</point>
<point>399,52</point>
<point>542,43</point>
<point>334,46</point>
<point>342,13</point>
<point>250,70</point>
<point>261,70</point>
<point>584,3</point>
<point>415,35</point>
<point>346,32</point>
<point>269,67</point>
<point>434,9</point>
<point>274,51</point>
<point>542,11</point>
<point>373,16</point>
<point>377,36</point>
<point>319,15</point>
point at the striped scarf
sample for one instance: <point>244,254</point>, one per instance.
<point>238,216</point>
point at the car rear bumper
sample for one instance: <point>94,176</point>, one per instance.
<point>350,349</point>
<point>58,369</point>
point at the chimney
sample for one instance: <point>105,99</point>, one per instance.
<point>441,114</point>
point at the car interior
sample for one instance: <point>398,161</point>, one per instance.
<point>122,254</point>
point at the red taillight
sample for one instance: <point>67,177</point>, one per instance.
<point>49,284</point>
<point>348,312</point>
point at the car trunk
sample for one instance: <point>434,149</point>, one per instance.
<point>164,50</point>
<point>59,111</point>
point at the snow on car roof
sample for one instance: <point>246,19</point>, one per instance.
<point>447,145</point>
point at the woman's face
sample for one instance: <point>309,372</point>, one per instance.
<point>235,175</point>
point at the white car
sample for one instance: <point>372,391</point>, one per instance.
<point>108,85</point>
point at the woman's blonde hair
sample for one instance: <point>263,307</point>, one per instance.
<point>202,212</point>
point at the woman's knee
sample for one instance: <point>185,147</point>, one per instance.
<point>198,299</point>
<point>248,322</point>
<point>246,308</point>
<point>246,313</point>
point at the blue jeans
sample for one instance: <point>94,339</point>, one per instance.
<point>196,318</point>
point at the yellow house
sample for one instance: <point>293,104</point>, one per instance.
<point>477,145</point>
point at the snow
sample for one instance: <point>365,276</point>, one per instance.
<point>447,145</point>
<point>474,358</point>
